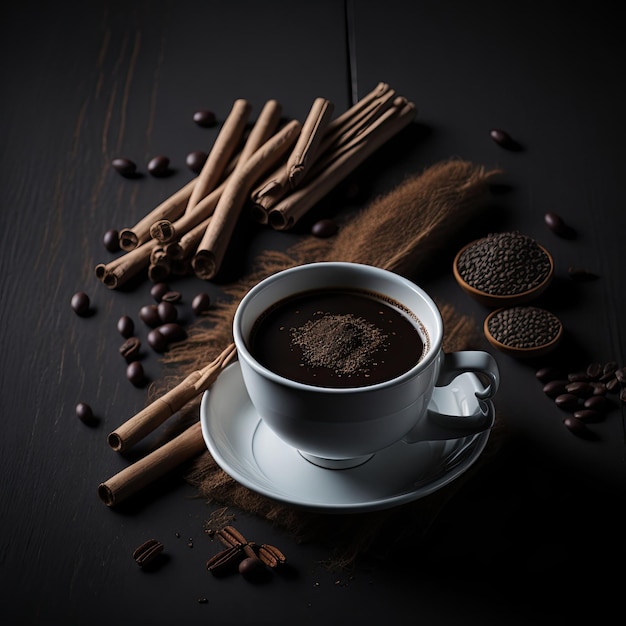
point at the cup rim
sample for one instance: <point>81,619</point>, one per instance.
<point>244,353</point>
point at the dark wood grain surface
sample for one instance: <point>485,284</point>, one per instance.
<point>537,535</point>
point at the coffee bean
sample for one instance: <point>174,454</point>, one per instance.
<point>577,427</point>
<point>172,332</point>
<point>201,303</point>
<point>172,296</point>
<point>620,375</point>
<point>622,395</point>
<point>609,368</point>
<point>597,403</point>
<point>149,314</point>
<point>81,303</point>
<point>558,225</point>
<point>555,388</point>
<point>574,377</point>
<point>85,413</point>
<point>567,401</point>
<point>581,274</point>
<point>159,166</point>
<point>167,312</point>
<point>135,374</point>
<point>111,240</point>
<point>589,415</point>
<point>504,139</point>
<point>126,326</point>
<point>599,389</point>
<point>580,389</point>
<point>594,370</point>
<point>130,349</point>
<point>158,290</point>
<point>613,385</point>
<point>195,160</point>
<point>252,568</point>
<point>204,118</point>
<point>547,374</point>
<point>157,341</point>
<point>324,228</point>
<point>124,166</point>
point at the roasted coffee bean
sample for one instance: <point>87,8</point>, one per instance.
<point>172,332</point>
<point>599,389</point>
<point>555,388</point>
<point>204,118</point>
<point>567,401</point>
<point>547,374</point>
<point>609,368</point>
<point>111,240</point>
<point>594,370</point>
<point>577,427</point>
<point>504,139</point>
<point>597,403</point>
<point>195,160</point>
<point>130,349</point>
<point>580,389</point>
<point>124,166</point>
<point>620,375</point>
<point>613,385</point>
<point>574,377</point>
<point>590,416</point>
<point>85,413</point>
<point>159,166</point>
<point>81,303</point>
<point>157,341</point>
<point>126,326</point>
<point>581,274</point>
<point>252,568</point>
<point>135,374</point>
<point>149,314</point>
<point>324,228</point>
<point>167,312</point>
<point>622,395</point>
<point>172,296</point>
<point>558,225</point>
<point>201,303</point>
<point>158,290</point>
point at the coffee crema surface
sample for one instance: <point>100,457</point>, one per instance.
<point>338,338</point>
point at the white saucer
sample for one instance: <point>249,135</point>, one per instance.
<point>246,449</point>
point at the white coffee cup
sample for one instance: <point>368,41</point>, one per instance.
<point>343,427</point>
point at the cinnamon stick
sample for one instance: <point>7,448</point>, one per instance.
<point>154,465</point>
<point>152,416</point>
<point>171,208</point>
<point>223,149</point>
<point>326,175</point>
<point>211,249</point>
<point>125,267</point>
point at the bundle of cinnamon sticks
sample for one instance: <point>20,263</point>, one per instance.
<point>277,173</point>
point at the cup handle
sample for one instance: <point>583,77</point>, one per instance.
<point>437,426</point>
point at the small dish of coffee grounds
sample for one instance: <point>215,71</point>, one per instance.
<point>503,269</point>
<point>523,331</point>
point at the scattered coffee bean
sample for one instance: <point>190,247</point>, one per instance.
<point>85,413</point>
<point>555,388</point>
<point>111,240</point>
<point>167,312</point>
<point>172,332</point>
<point>609,368</point>
<point>524,327</point>
<point>158,290</point>
<point>504,264</point>
<point>566,401</point>
<point>504,139</point>
<point>613,385</point>
<point>324,228</point>
<point>597,403</point>
<point>620,375</point>
<point>159,166</point>
<point>599,389</point>
<point>204,118</point>
<point>172,296</point>
<point>126,326</point>
<point>589,416</point>
<point>135,374</point>
<point>558,226</point>
<point>594,370</point>
<point>195,160</point>
<point>130,349</point>
<point>547,374</point>
<point>81,303</point>
<point>124,166</point>
<point>149,314</point>
<point>581,274</point>
<point>580,389</point>
<point>574,377</point>
<point>622,395</point>
<point>201,303</point>
<point>577,427</point>
<point>252,568</point>
<point>157,341</point>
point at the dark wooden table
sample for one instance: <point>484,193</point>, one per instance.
<point>537,535</point>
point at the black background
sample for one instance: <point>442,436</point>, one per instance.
<point>537,535</point>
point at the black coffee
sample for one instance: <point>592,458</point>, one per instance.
<point>337,338</point>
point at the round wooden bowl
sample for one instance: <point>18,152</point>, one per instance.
<point>517,352</point>
<point>492,300</point>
